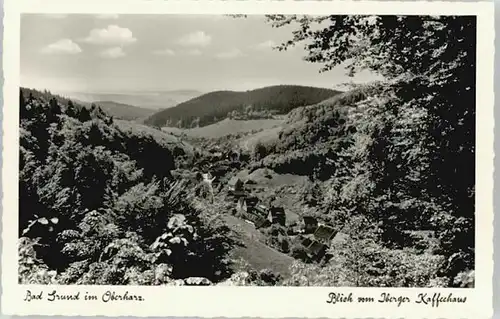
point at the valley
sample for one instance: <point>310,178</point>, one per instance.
<point>282,163</point>
<point>277,185</point>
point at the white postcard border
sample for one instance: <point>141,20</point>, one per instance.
<point>250,301</point>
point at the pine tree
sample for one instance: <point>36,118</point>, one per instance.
<point>23,110</point>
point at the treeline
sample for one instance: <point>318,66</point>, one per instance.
<point>249,114</point>
<point>215,106</point>
<point>97,204</point>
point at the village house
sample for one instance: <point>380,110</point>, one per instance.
<point>241,206</point>
<point>306,241</point>
<point>233,156</point>
<point>310,224</point>
<point>215,152</point>
<point>258,220</point>
<point>262,210</point>
<point>252,211</point>
<point>277,216</point>
<point>317,246</point>
<point>246,204</point>
<point>235,184</point>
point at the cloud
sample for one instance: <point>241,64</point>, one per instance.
<point>107,16</point>
<point>198,38</point>
<point>55,16</point>
<point>164,52</point>
<point>63,46</point>
<point>112,35</point>
<point>231,54</point>
<point>113,53</point>
<point>194,52</point>
<point>266,45</point>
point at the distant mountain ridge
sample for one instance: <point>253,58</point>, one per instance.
<point>154,100</point>
<point>124,111</point>
<point>212,107</point>
<point>117,110</point>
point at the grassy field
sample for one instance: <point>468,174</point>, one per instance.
<point>227,127</point>
<point>256,253</point>
<point>264,136</point>
<point>252,248</point>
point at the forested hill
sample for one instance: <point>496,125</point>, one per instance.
<point>125,111</point>
<point>215,106</point>
<point>116,110</point>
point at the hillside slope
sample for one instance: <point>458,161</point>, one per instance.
<point>254,252</point>
<point>227,127</point>
<point>212,107</point>
<point>310,139</point>
<point>124,111</point>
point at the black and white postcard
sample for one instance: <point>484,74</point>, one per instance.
<point>248,159</point>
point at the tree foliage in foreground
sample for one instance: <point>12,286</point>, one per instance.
<point>98,205</point>
<point>410,163</point>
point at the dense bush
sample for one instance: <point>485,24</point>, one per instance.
<point>370,265</point>
<point>360,260</point>
<point>277,238</point>
<point>298,251</point>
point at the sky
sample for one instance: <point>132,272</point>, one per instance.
<point>116,53</point>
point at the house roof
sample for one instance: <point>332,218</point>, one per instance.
<point>310,219</point>
<point>256,219</point>
<point>306,242</point>
<point>261,209</point>
<point>324,232</point>
<point>277,211</point>
<point>252,199</point>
